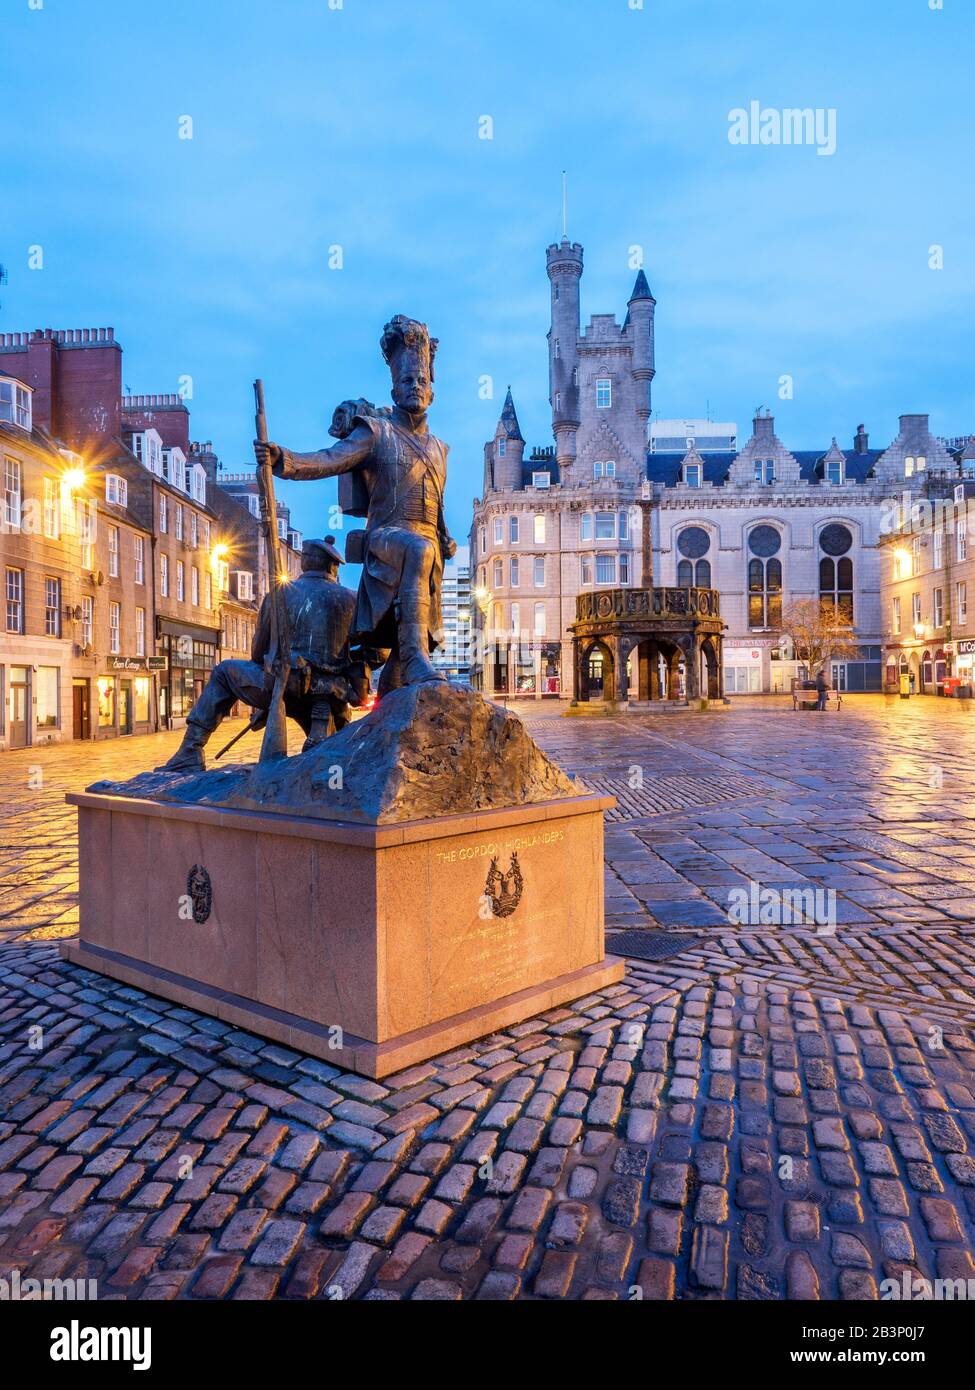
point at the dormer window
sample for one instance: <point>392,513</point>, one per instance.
<point>921,463</point>
<point>765,471</point>
<point>116,490</point>
<point>968,468</point>
<point>834,471</point>
<point>245,585</point>
<point>692,474</point>
<point>15,406</point>
<point>541,479</point>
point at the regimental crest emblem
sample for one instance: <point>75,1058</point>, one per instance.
<point>200,892</point>
<point>503,890</point>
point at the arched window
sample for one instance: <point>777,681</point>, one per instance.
<point>685,573</point>
<point>836,570</point>
<point>764,578</point>
<point>693,544</point>
<point>702,575</point>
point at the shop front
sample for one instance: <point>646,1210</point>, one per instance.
<point>961,654</point>
<point>189,654</point>
<point>743,670</point>
<point>126,698</point>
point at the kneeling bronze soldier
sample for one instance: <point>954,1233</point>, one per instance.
<point>324,680</point>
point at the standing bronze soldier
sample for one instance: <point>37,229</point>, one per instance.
<point>398,471</point>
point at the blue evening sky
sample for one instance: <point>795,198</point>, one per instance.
<point>358,126</point>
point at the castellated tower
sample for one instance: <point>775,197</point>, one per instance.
<point>564,264</point>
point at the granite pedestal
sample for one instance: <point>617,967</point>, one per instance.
<point>370,946</point>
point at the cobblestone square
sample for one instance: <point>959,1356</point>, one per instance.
<point>773,1112</point>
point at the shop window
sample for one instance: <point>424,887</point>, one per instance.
<point>46,692</point>
<point>141,695</point>
<point>105,685</point>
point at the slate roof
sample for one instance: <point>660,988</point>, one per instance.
<point>664,469</point>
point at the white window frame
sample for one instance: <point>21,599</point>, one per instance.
<point>538,572</point>
<point>139,558</point>
<point>604,393</point>
<point>164,575</point>
<point>52,509</point>
<point>14,599</point>
<point>15,404</point>
<point>600,520</point>
<point>13,499</point>
<point>87,620</point>
<point>499,530</point>
<point>114,627</point>
<point>538,620</point>
<point>961,602</point>
<point>180,581</point>
<point>114,547</point>
<point>607,563</point>
<point>895,616</point>
<point>538,528</point>
<point>140,632</point>
<point>513,530</point>
<point>52,609</point>
<point>692,474</point>
<point>116,490</point>
<point>163,513</point>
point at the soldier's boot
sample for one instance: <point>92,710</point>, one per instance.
<point>413,641</point>
<point>414,655</point>
<point>189,755</point>
<point>321,727</point>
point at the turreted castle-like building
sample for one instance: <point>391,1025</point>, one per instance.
<point>644,559</point>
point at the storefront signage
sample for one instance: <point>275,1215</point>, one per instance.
<point>965,646</point>
<point>128,663</point>
<point>155,663</point>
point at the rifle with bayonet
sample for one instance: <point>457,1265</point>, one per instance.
<point>277,661</point>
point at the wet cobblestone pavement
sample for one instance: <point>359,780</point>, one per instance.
<point>777,1112</point>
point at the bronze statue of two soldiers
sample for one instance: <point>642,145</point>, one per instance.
<point>391,470</point>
